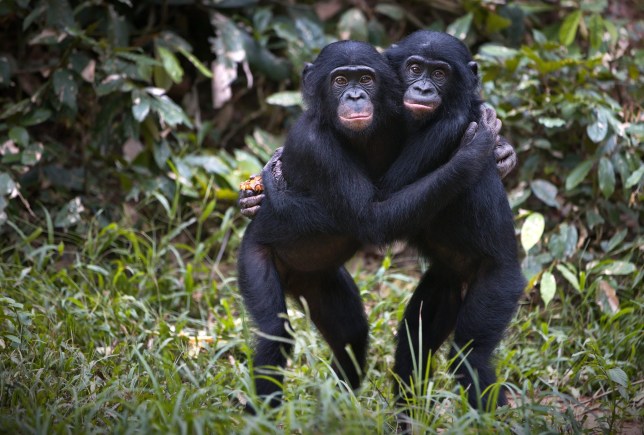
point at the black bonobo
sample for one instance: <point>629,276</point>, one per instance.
<point>471,243</point>
<point>304,233</point>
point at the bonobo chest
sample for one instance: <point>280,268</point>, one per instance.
<point>318,252</point>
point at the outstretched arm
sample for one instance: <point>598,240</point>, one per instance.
<point>410,207</point>
<point>250,200</point>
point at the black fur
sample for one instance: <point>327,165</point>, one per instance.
<point>470,244</point>
<point>303,234</point>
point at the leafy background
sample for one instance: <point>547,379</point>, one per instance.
<point>126,126</point>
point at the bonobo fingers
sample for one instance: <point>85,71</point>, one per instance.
<point>490,121</point>
<point>469,133</point>
<point>249,202</point>
<point>505,155</point>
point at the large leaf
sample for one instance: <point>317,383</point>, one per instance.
<point>598,129</point>
<point>460,27</point>
<point>606,175</point>
<point>7,185</point>
<point>286,99</point>
<point>548,287</point>
<point>568,29</point>
<point>595,31</point>
<point>170,64</point>
<point>65,88</point>
<point>353,25</point>
<point>578,174</point>
<point>19,135</point>
<point>532,230</point>
<point>635,177</point>
<point>545,191</point>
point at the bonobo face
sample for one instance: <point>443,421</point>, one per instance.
<point>354,87</point>
<point>426,81</point>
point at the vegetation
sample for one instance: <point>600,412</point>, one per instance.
<point>125,128</point>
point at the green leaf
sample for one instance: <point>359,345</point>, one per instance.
<point>19,135</point>
<point>392,11</point>
<point>65,88</point>
<point>168,110</point>
<point>598,129</point>
<point>578,174</point>
<point>532,230</point>
<point>32,154</point>
<point>615,268</point>
<point>170,64</point>
<point>595,31</point>
<point>353,25</point>
<point>161,153</point>
<point>497,51</point>
<point>618,376</point>
<point>635,177</point>
<point>7,185</point>
<point>141,107</point>
<point>545,191</point>
<point>548,287</point>
<point>36,117</point>
<point>569,276</point>
<point>461,27</point>
<point>552,122</point>
<point>495,23</point>
<point>203,69</point>
<point>568,29</point>
<point>286,99</point>
<point>606,175</point>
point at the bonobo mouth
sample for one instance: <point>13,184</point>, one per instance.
<point>420,109</point>
<point>356,121</point>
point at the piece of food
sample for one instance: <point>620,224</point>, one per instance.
<point>254,183</point>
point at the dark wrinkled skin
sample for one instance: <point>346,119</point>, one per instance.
<point>250,201</point>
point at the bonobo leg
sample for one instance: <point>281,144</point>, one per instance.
<point>264,298</point>
<point>337,311</point>
<point>435,303</point>
<point>487,310</point>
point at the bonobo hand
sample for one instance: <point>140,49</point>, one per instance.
<point>481,137</point>
<point>506,157</point>
<point>251,191</point>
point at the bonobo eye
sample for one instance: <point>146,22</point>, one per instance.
<point>438,74</point>
<point>366,80</point>
<point>340,80</point>
<point>415,68</point>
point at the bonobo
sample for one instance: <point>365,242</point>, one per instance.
<point>471,243</point>
<point>441,97</point>
<point>303,234</point>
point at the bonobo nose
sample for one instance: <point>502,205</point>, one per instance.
<point>423,88</point>
<point>356,95</point>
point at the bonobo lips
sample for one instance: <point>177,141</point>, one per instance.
<point>419,109</point>
<point>356,121</point>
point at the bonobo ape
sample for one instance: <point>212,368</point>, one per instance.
<point>470,244</point>
<point>303,234</point>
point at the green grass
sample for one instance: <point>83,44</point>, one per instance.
<point>97,334</point>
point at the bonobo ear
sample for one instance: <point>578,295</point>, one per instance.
<point>474,67</point>
<point>308,68</point>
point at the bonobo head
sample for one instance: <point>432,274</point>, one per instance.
<point>438,74</point>
<point>352,87</point>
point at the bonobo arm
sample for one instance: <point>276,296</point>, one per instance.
<point>412,206</point>
<point>250,201</point>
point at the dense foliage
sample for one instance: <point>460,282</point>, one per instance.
<point>126,126</point>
